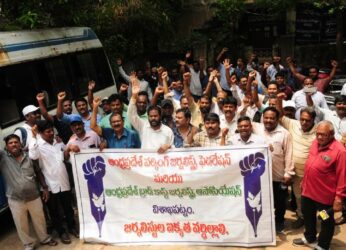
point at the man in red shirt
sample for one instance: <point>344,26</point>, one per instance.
<point>323,186</point>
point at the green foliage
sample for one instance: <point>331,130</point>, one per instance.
<point>331,5</point>
<point>126,27</point>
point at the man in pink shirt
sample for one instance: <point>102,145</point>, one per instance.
<point>323,186</point>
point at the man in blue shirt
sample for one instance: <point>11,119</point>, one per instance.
<point>118,136</point>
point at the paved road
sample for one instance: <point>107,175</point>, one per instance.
<point>10,241</point>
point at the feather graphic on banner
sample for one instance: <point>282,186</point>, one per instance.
<point>252,167</point>
<point>94,170</point>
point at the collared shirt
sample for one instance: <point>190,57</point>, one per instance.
<point>20,179</point>
<point>253,139</point>
<point>66,118</point>
<point>105,122</point>
<point>325,173</point>
<point>144,85</point>
<point>299,99</point>
<point>332,116</point>
<point>223,80</point>
<point>202,139</point>
<point>195,83</point>
<point>150,138</point>
<point>282,157</point>
<point>51,159</point>
<point>129,138</point>
<point>90,140</point>
<point>179,141</point>
<point>301,142</point>
<point>272,71</point>
<point>232,126</point>
<point>343,90</point>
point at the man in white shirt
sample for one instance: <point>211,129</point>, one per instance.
<point>274,68</point>
<point>51,159</point>
<point>300,98</point>
<point>229,118</point>
<point>245,135</point>
<point>280,141</point>
<point>153,134</point>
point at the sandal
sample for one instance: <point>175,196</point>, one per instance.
<point>51,243</point>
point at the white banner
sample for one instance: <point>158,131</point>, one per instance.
<point>195,196</point>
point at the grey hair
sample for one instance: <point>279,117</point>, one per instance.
<point>328,124</point>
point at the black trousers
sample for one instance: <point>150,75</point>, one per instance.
<point>55,202</point>
<point>280,195</point>
<point>309,210</point>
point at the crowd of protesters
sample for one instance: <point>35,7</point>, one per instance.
<point>190,105</point>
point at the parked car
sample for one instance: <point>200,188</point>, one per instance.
<point>334,89</point>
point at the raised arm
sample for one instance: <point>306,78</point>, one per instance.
<point>164,77</point>
<point>44,112</point>
<point>220,55</point>
<point>294,70</point>
<point>132,114</point>
<point>91,86</point>
<point>207,90</point>
<point>122,71</point>
<point>59,109</point>
<point>280,97</point>
<point>187,92</point>
<point>158,92</point>
<point>93,121</point>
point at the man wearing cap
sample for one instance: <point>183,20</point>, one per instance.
<point>118,136</point>
<point>31,114</point>
<point>80,139</point>
<point>289,109</point>
<point>303,134</point>
<point>105,106</point>
<point>167,113</point>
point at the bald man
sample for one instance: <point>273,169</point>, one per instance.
<point>323,186</point>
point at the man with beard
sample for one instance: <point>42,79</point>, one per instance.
<point>51,158</point>
<point>31,114</point>
<point>245,135</point>
<point>183,130</point>
<point>23,196</point>
<point>82,108</point>
<point>319,83</point>
<point>301,97</point>
<point>144,85</point>
<point>323,187</point>
<point>303,134</point>
<point>63,129</point>
<point>280,142</point>
<point>229,117</point>
<point>167,113</point>
<point>80,139</point>
<point>153,134</point>
<point>118,136</point>
<point>117,106</point>
<point>213,135</point>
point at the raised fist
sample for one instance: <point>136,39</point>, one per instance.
<point>253,164</point>
<point>94,169</point>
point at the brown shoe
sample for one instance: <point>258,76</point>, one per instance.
<point>341,220</point>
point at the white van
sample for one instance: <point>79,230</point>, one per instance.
<point>50,61</point>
